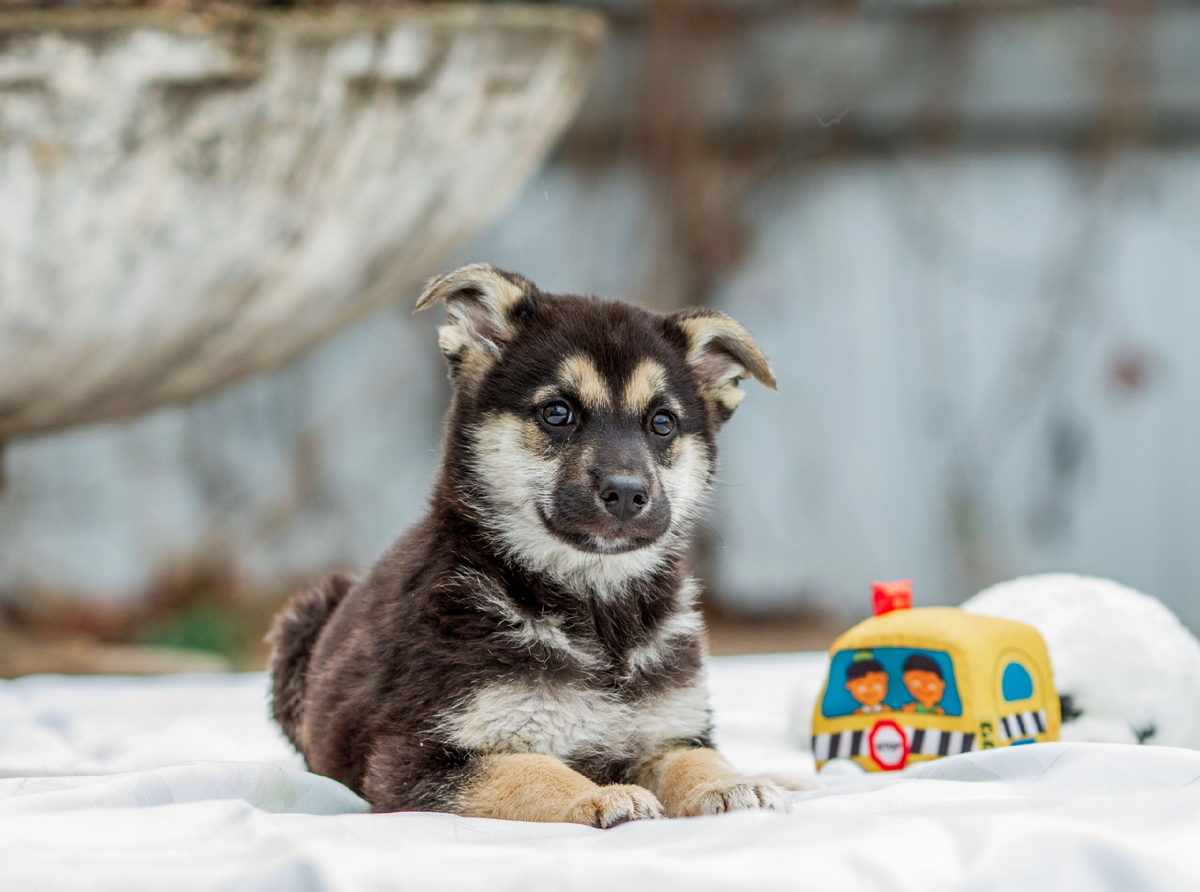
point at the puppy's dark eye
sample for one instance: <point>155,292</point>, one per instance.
<point>557,414</point>
<point>663,423</point>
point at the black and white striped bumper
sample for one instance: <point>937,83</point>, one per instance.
<point>921,741</point>
<point>1022,724</point>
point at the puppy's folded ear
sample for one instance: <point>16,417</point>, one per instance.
<point>484,306</point>
<point>721,353</point>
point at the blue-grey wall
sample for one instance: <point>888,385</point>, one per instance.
<point>985,345</point>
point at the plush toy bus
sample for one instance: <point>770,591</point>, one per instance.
<point>911,685</point>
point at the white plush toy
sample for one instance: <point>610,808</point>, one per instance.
<point>1125,667</point>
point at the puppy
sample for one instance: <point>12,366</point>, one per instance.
<point>531,649</point>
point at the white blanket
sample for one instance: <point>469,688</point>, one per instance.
<point>182,783</point>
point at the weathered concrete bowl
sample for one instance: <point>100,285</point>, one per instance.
<point>189,199</point>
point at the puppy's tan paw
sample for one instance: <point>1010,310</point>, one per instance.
<point>735,794</point>
<point>613,805</point>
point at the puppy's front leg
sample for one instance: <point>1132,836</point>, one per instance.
<point>692,781</point>
<point>527,787</point>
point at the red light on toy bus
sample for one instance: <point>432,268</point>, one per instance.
<point>891,596</point>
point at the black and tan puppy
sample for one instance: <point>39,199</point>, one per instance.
<point>531,649</point>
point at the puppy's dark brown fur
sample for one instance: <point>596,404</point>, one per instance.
<point>531,650</point>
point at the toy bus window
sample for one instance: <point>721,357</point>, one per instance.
<point>1016,683</point>
<point>891,679</point>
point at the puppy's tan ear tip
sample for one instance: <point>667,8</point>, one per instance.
<point>471,279</point>
<point>430,295</point>
<point>761,370</point>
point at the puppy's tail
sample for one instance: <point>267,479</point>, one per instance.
<point>293,636</point>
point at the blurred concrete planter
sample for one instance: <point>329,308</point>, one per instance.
<point>189,199</point>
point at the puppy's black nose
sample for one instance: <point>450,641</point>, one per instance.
<point>624,495</point>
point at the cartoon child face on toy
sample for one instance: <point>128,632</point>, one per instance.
<point>867,682</point>
<point>923,678</point>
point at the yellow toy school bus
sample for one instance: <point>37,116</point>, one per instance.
<point>913,685</point>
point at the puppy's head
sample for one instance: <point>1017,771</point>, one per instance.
<point>582,433</point>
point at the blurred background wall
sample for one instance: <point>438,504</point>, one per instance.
<point>966,236</point>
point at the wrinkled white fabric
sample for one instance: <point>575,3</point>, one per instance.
<point>182,783</point>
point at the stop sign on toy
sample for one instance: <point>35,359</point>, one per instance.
<point>889,745</point>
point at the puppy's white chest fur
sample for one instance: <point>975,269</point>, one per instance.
<point>575,721</point>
